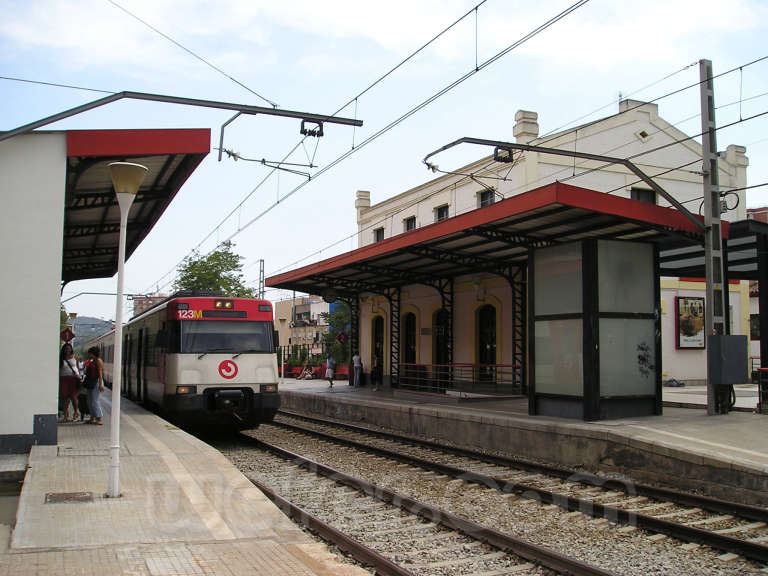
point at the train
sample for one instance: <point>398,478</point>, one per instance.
<point>200,359</point>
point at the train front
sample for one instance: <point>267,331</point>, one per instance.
<point>221,362</point>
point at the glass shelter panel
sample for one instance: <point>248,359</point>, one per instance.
<point>557,277</point>
<point>625,277</point>
<point>627,357</point>
<point>559,357</point>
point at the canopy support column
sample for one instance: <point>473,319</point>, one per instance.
<point>516,277</point>
<point>394,336</point>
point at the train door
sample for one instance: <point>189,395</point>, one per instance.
<point>139,364</point>
<point>127,365</point>
<point>124,362</point>
<point>144,366</point>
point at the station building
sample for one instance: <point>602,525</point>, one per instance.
<point>299,322</point>
<point>60,223</point>
<point>442,285</point>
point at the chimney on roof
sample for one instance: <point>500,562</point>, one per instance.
<point>362,203</point>
<point>363,200</point>
<point>526,126</point>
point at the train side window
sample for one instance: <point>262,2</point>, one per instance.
<point>173,341</point>
<point>161,339</point>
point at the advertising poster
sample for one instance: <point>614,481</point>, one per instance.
<point>690,322</point>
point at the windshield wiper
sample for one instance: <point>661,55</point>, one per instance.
<point>250,351</point>
<point>214,350</point>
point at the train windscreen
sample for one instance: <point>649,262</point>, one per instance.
<point>214,336</point>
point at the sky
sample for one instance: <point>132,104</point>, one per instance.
<point>322,57</point>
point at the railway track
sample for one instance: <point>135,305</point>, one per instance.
<point>395,534</point>
<point>730,527</point>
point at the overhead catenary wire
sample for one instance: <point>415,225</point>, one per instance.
<point>629,109</point>
<point>301,142</point>
<point>553,20</point>
<point>550,136</point>
<point>498,55</point>
<point>56,85</point>
<point>473,177</point>
<point>191,53</point>
<point>562,170</point>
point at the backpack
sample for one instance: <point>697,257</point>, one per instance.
<point>91,375</point>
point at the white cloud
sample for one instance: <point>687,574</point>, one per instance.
<point>88,33</point>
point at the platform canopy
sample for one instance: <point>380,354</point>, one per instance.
<point>493,239</point>
<point>746,243</point>
<point>92,215</point>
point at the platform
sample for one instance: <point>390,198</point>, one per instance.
<point>184,510</point>
<point>724,456</point>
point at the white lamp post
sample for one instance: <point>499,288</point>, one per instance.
<point>126,178</point>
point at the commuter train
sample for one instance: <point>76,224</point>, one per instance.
<point>200,360</point>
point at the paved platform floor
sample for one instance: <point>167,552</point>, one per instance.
<point>184,510</point>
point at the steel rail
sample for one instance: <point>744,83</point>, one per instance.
<point>746,511</point>
<point>614,514</point>
<point>505,542</point>
<point>358,551</point>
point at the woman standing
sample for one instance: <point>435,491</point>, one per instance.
<point>69,381</point>
<point>94,385</point>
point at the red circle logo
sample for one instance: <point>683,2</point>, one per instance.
<point>228,369</point>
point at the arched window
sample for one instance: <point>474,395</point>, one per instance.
<point>440,337</point>
<point>486,340</point>
<point>441,373</point>
<point>408,372</point>
<point>409,338</point>
<point>377,341</point>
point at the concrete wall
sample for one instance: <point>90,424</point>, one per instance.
<point>33,169</point>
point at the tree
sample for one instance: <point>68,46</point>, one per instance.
<point>338,322</point>
<point>63,318</point>
<point>221,270</point>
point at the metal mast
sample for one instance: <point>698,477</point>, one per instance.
<point>715,298</point>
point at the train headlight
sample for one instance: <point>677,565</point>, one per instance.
<point>268,388</point>
<point>186,389</point>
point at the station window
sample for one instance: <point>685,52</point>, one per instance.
<point>486,198</point>
<point>643,195</point>
<point>441,212</point>
<point>378,234</point>
<point>409,223</point>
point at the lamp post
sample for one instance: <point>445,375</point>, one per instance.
<point>126,179</point>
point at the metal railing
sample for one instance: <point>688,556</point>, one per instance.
<point>465,380</point>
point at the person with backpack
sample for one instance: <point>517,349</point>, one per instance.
<point>94,385</point>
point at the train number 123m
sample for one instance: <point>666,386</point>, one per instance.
<point>189,314</point>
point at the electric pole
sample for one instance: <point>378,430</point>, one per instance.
<point>261,279</point>
<point>715,298</point>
